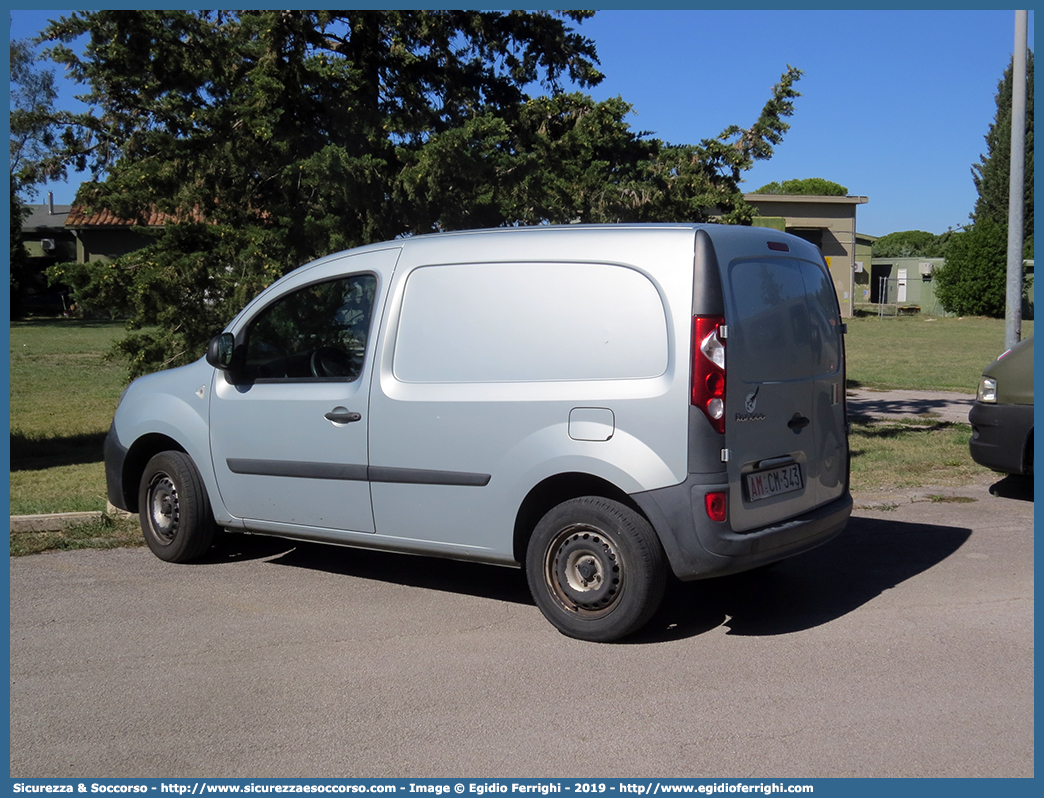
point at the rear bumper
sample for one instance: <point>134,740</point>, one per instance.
<point>698,547</point>
<point>1001,436</point>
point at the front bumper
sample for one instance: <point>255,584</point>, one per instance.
<point>1002,437</point>
<point>115,457</point>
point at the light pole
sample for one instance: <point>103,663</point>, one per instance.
<point>1016,190</point>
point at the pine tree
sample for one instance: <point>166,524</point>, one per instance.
<point>992,173</point>
<point>973,281</point>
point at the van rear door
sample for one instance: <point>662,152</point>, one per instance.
<point>785,418</point>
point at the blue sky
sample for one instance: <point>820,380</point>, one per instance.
<point>895,104</point>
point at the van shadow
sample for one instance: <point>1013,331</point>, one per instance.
<point>31,454</point>
<point>429,573</point>
<point>870,557</point>
<point>232,547</point>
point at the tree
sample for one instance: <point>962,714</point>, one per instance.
<point>974,278</point>
<point>992,173</point>
<point>34,131</point>
<point>21,271</point>
<point>33,138</point>
<point>273,137</point>
<point>299,116</point>
<point>810,186</point>
<point>570,159</point>
<point>911,244</point>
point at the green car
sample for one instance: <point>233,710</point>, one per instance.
<point>1002,416</point>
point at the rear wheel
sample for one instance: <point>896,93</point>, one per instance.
<point>596,569</point>
<point>175,513</point>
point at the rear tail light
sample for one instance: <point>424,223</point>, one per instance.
<point>717,507</point>
<point>708,368</point>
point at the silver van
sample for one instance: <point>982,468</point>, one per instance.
<point>600,405</point>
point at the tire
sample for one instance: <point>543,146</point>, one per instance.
<point>596,569</point>
<point>175,513</point>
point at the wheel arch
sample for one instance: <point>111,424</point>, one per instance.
<point>138,456</point>
<point>554,490</point>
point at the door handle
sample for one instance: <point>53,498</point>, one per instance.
<point>798,422</point>
<point>342,415</point>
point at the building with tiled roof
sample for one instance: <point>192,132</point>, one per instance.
<point>79,218</point>
<point>45,235</point>
<point>101,235</point>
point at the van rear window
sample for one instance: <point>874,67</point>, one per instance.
<point>528,322</point>
<point>785,321</point>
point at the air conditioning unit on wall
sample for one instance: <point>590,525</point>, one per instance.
<point>47,244</point>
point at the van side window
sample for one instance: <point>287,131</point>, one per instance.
<point>316,333</point>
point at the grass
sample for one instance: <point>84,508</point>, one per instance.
<point>106,532</point>
<point>918,353</point>
<point>64,390</point>
<point>938,498</point>
<point>912,453</point>
<point>63,394</point>
<point>922,353</point>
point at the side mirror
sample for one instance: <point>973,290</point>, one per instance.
<point>220,352</point>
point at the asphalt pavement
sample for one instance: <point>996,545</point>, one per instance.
<point>903,648</point>
<point>937,405</point>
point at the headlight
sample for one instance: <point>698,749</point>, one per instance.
<point>987,390</point>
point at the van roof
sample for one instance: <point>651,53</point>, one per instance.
<point>731,237</point>
<point>730,240</point>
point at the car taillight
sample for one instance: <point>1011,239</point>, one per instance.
<point>708,368</point>
<point>716,506</point>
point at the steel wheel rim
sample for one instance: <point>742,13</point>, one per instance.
<point>164,508</point>
<point>584,571</point>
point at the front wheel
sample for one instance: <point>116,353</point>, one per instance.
<point>176,518</point>
<point>596,569</point>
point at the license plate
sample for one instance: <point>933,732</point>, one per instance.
<point>774,481</point>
